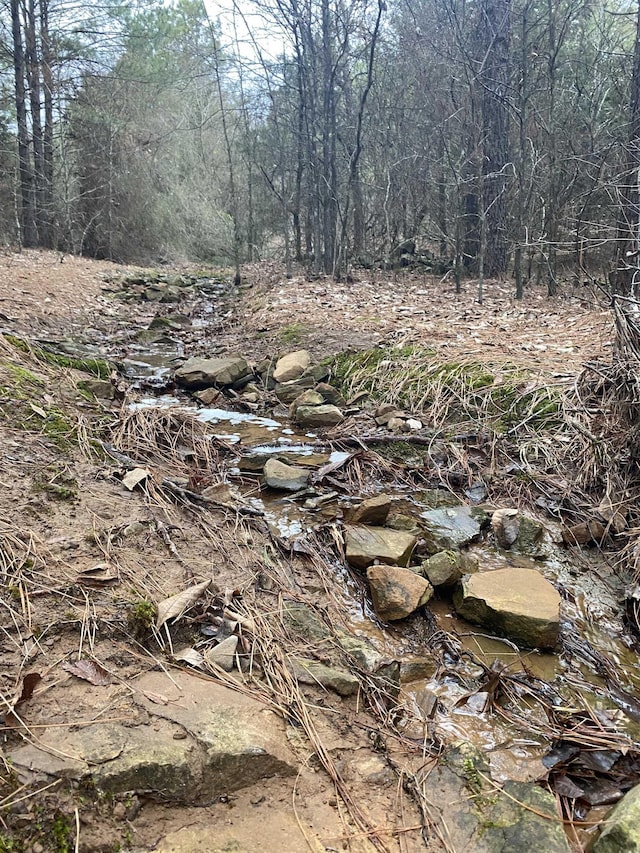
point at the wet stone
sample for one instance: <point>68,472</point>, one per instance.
<point>372,511</point>
<point>397,592</point>
<point>365,545</point>
<point>452,527</point>
<point>289,478</point>
<point>621,833</point>
<point>519,604</point>
<point>199,372</point>
<point>443,569</point>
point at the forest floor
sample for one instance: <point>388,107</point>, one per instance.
<point>80,553</point>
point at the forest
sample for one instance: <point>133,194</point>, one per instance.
<point>485,138</point>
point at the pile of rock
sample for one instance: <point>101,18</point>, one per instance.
<point>515,602</point>
<point>300,384</point>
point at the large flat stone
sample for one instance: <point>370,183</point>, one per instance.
<point>516,603</point>
<point>199,372</point>
<point>202,741</point>
<point>365,545</point>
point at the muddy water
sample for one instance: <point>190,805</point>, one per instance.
<point>452,700</point>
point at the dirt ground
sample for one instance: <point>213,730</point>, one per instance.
<point>73,518</point>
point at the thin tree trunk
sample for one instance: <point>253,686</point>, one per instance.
<point>28,236</point>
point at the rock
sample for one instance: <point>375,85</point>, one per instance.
<point>307,398</point>
<point>397,592</point>
<point>400,521</point>
<point>417,668</point>
<point>102,389</point>
<point>384,414</point>
<point>319,372</point>
<point>518,817</point>
<point>303,622</point>
<point>443,569</point>
<point>232,741</point>
<point>506,524</point>
<point>365,545</point>
<point>287,392</point>
<point>291,366</point>
<point>384,672</point>
<point>529,539</point>
<point>312,672</point>
<point>207,396</point>
<point>278,475</point>
<point>451,527</point>
<point>516,603</point>
<point>621,833</point>
<point>331,395</point>
<point>311,417</point>
<point>199,372</point>
<point>583,533</point>
<point>224,654</point>
<point>395,424</point>
<point>372,511</point>
<point>412,425</point>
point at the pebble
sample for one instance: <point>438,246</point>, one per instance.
<point>37,848</point>
<point>180,735</point>
<point>120,811</point>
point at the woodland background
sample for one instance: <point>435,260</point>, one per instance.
<point>479,136</point>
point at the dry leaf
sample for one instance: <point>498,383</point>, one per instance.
<point>190,656</point>
<point>132,478</point>
<point>99,575</point>
<point>89,671</point>
<point>175,606</point>
<point>29,683</point>
<point>38,410</point>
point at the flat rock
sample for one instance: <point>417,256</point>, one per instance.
<point>310,397</point>
<point>452,527</point>
<point>365,545</point>
<point>228,741</point>
<point>397,592</point>
<point>199,372</point>
<point>621,833</point>
<point>291,366</point>
<point>372,511</point>
<point>583,533</point>
<point>318,416</point>
<point>287,392</point>
<point>240,740</point>
<point>517,603</point>
<point>313,672</point>
<point>289,478</point>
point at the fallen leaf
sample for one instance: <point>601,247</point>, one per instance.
<point>90,671</point>
<point>99,575</point>
<point>29,683</point>
<point>132,478</point>
<point>175,606</point>
<point>190,656</point>
<point>38,410</point>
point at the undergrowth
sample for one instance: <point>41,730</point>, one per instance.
<point>457,392</point>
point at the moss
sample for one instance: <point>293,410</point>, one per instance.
<point>141,617</point>
<point>95,366</point>
<point>57,484</point>
<point>61,834</point>
<point>293,333</point>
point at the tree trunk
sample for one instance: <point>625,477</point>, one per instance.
<point>496,16</point>
<point>29,234</point>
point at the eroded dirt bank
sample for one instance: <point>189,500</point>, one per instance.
<point>135,545</point>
